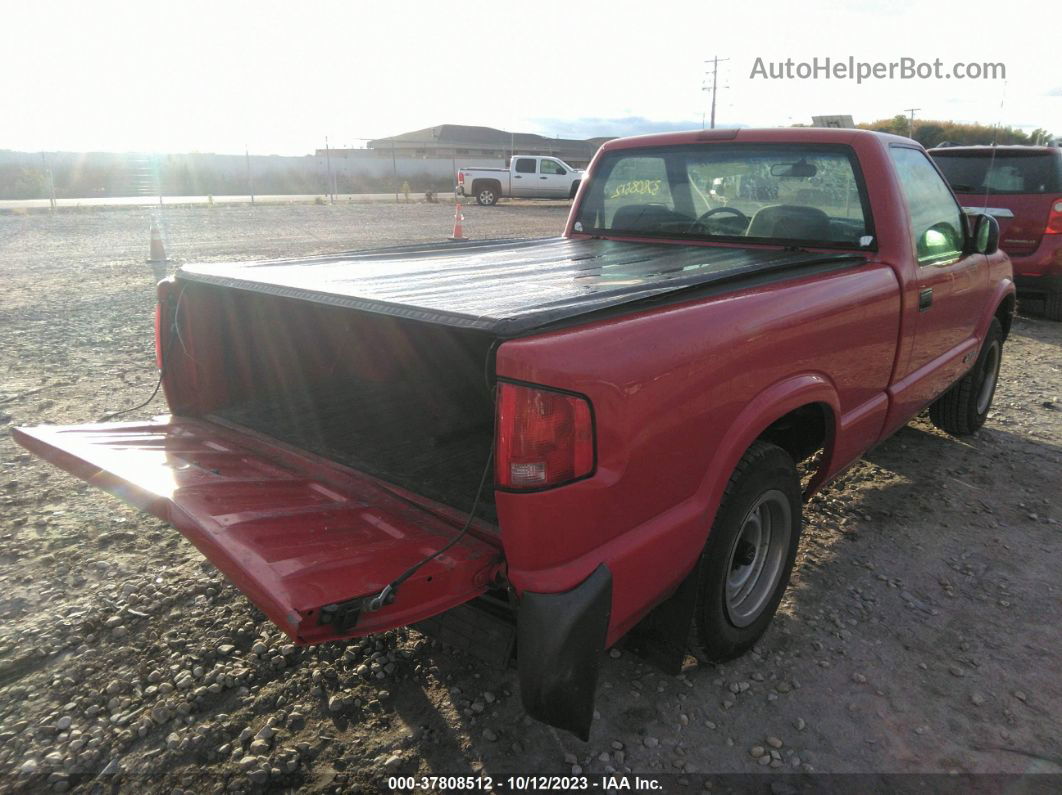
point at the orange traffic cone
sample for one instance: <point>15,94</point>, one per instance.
<point>459,233</point>
<point>158,252</point>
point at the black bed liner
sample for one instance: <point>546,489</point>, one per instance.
<point>505,287</point>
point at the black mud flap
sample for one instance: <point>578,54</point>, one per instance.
<point>560,638</point>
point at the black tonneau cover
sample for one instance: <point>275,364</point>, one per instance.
<point>504,287</point>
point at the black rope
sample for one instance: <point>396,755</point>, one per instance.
<point>387,595</point>
<point>113,414</point>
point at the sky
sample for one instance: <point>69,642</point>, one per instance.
<point>277,77</point>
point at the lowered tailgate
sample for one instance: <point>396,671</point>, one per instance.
<point>304,539</point>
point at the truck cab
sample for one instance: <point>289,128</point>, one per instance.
<point>542,177</point>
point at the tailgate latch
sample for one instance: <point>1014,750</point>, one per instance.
<point>341,616</point>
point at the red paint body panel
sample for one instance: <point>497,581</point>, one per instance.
<point>672,391</point>
<point>294,533</point>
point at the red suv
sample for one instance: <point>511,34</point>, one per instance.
<point>1022,187</point>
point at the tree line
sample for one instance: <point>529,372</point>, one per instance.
<point>932,133</point>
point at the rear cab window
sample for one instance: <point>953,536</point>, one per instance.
<point>806,194</point>
<point>636,187</point>
<point>525,165</point>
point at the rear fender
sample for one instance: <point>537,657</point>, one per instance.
<point>662,635</point>
<point>770,405</point>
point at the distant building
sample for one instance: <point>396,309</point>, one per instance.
<point>844,122</point>
<point>461,141</point>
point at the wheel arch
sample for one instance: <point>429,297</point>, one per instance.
<point>482,182</point>
<point>1005,313</point>
<point>1001,307</point>
<point>794,413</point>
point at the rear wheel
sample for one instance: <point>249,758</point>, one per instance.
<point>746,563</point>
<point>486,195</point>
<point>1053,305</point>
<point>964,408</point>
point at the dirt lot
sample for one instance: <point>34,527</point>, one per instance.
<point>921,632</point>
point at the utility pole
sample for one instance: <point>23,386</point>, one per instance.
<point>910,123</point>
<point>714,88</point>
<point>394,170</point>
<point>250,180</point>
<point>328,167</point>
<point>51,181</point>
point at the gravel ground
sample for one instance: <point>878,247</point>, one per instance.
<point>921,632</point>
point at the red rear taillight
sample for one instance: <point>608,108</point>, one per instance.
<point>545,438</point>
<point>1054,219</point>
<point>158,336</point>
<point>460,177</point>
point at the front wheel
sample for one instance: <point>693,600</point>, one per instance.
<point>746,563</point>
<point>964,408</point>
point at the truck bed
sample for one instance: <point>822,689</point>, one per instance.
<point>506,287</point>
<point>389,434</point>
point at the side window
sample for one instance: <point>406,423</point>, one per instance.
<point>525,165</point>
<point>936,220</point>
<point>551,167</point>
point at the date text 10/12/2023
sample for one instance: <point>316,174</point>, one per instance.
<point>606,783</point>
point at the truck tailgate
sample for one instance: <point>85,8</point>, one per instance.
<point>305,539</point>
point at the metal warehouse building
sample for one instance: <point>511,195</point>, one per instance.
<point>461,141</point>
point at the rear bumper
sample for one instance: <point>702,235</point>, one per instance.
<point>1046,261</point>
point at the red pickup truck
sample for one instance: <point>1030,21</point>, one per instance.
<point>578,438</point>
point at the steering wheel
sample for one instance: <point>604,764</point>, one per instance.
<point>715,211</point>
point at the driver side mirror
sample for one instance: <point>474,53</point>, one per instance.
<point>985,237</point>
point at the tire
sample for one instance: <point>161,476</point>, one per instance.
<point>1053,305</point>
<point>964,408</point>
<point>486,194</point>
<point>746,563</point>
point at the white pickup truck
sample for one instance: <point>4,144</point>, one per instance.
<point>528,177</point>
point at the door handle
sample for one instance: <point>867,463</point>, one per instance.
<point>517,177</point>
<point>925,299</point>
<point>543,177</point>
